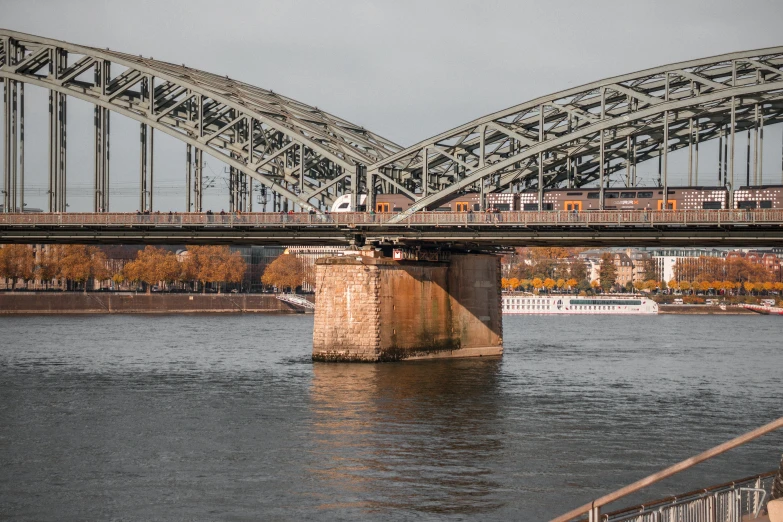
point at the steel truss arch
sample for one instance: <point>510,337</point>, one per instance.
<point>587,133</point>
<point>300,152</point>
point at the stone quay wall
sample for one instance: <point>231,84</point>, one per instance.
<point>105,303</point>
<point>377,309</point>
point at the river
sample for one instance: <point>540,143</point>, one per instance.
<point>226,418</point>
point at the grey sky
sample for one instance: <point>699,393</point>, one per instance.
<point>405,69</point>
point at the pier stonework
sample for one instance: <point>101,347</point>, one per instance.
<point>377,309</point>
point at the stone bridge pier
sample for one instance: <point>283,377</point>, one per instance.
<point>371,308</point>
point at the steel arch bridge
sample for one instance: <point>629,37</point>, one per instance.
<point>597,131</point>
<point>305,155</point>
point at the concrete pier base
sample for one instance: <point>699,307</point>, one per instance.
<point>377,309</point>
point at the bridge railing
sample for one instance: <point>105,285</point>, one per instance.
<point>364,219</point>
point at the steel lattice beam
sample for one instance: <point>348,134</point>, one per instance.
<point>589,133</point>
<point>294,149</point>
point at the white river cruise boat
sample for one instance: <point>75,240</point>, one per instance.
<point>514,304</point>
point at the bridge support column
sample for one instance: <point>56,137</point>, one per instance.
<point>371,309</point>
<point>199,181</point>
<point>101,145</point>
<point>57,152</point>
<point>9,144</point>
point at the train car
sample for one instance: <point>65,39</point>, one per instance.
<point>394,203</point>
<point>679,198</point>
<point>686,198</point>
<point>343,204</point>
<point>502,201</point>
<point>765,196</point>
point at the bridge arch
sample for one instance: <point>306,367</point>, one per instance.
<point>300,152</point>
<point>589,133</point>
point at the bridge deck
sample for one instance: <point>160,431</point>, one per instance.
<point>457,229</point>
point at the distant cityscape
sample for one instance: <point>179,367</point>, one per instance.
<point>645,269</point>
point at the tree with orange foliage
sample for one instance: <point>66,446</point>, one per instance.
<point>549,284</point>
<point>231,269</point>
<point>81,263</point>
<point>537,283</point>
<point>17,262</point>
<point>49,264</point>
<point>151,266</point>
<point>212,264</point>
<point>287,271</point>
<point>608,272</point>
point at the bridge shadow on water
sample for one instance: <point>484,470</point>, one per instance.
<point>407,438</point>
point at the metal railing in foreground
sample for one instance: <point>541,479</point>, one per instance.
<point>649,218</point>
<point>726,503</point>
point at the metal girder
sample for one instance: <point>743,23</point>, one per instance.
<point>557,138</point>
<point>255,131</point>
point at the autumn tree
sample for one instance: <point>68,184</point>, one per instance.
<point>287,271</point>
<point>578,270</point>
<point>537,283</point>
<point>211,264</point>
<point>81,263</point>
<point>17,262</point>
<point>49,263</point>
<point>650,269</point>
<point>608,272</point>
<point>151,266</point>
<point>231,269</point>
<point>549,284</point>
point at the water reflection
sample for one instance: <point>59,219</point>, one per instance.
<point>418,437</point>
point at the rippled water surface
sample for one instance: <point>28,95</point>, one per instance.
<point>226,418</point>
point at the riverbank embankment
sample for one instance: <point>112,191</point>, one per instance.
<point>703,310</point>
<point>121,303</point>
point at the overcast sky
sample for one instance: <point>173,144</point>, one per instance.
<point>405,69</point>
